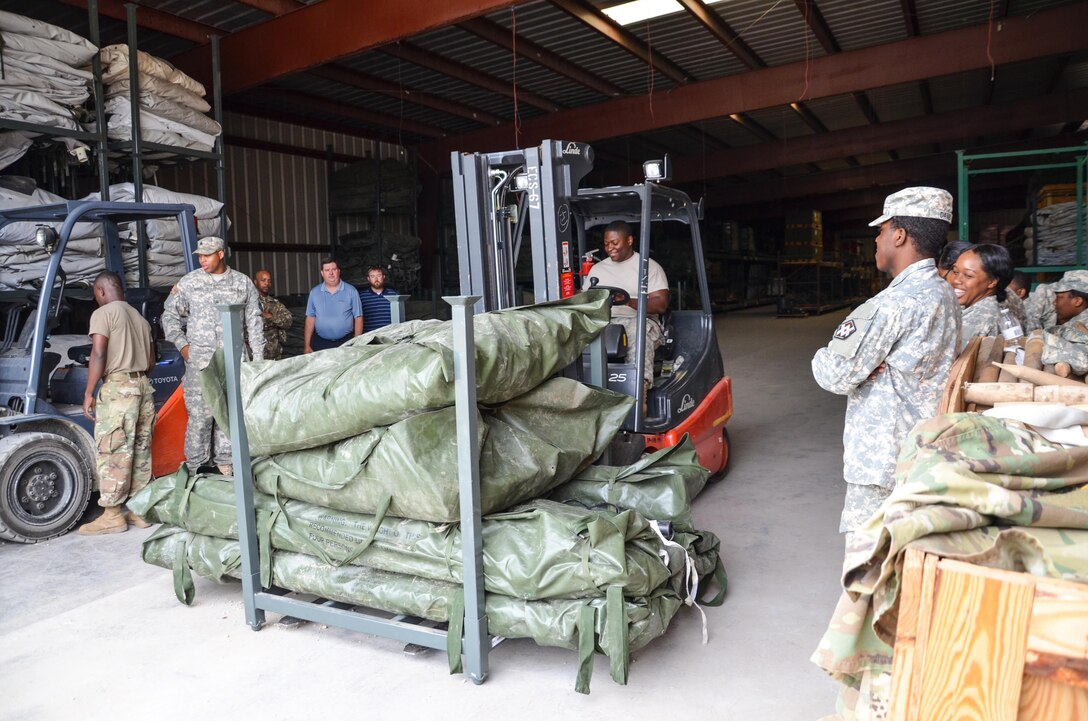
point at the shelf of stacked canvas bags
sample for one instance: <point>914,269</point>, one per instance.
<point>1071,214</point>
<point>60,56</point>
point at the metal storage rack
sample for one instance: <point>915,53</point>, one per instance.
<point>1074,157</point>
<point>475,642</point>
<point>811,287</point>
<point>136,148</point>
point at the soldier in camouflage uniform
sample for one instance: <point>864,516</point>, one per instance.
<point>124,411</point>
<point>1067,340</point>
<point>277,319</point>
<point>1039,308</point>
<point>979,278</point>
<point>191,322</point>
<point>891,356</point>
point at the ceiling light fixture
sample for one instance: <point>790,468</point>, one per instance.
<point>639,10</point>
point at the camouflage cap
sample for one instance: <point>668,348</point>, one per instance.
<point>917,202</point>
<point>1073,280</point>
<point>209,245</point>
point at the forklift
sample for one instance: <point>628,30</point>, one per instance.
<point>501,196</point>
<point>47,450</point>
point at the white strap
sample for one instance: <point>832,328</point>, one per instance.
<point>691,576</point>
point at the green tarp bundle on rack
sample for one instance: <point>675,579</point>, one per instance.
<point>378,379</point>
<point>539,550</point>
<point>613,624</point>
<point>527,446</point>
<point>660,485</point>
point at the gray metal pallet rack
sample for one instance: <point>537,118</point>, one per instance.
<point>476,642</point>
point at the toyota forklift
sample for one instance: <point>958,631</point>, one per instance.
<point>502,197</point>
<point>47,450</point>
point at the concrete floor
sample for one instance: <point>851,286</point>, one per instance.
<point>89,631</point>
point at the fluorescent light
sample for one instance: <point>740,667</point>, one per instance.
<point>638,10</point>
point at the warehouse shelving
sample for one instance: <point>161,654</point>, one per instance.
<point>134,151</point>
<point>1065,158</point>
<point>811,287</point>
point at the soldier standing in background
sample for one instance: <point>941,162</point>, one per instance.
<point>892,355</point>
<point>192,304</point>
<point>121,355</point>
<point>277,319</point>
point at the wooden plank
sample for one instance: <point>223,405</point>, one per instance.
<point>925,613</point>
<point>1042,699</point>
<point>974,653</point>
<point>906,630</point>
<point>1057,645</point>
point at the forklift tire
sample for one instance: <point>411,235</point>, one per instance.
<point>45,485</point>
<point>715,477</point>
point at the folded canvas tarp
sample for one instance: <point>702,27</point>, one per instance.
<point>660,486</point>
<point>527,446</point>
<point>538,550</point>
<point>615,625</point>
<point>379,379</point>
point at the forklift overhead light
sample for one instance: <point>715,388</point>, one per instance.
<point>521,181</point>
<point>657,170</point>
<point>46,237</point>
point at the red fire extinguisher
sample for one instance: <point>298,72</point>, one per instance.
<point>566,276</point>
<point>588,261</point>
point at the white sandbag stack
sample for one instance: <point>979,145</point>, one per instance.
<point>44,79</point>
<point>172,106</point>
<point>1055,234</point>
<point>23,263</point>
<point>165,256</point>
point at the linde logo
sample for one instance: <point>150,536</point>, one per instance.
<point>572,149</point>
<point>687,403</point>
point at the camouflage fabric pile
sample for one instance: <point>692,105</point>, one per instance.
<point>357,495</point>
<point>969,487</point>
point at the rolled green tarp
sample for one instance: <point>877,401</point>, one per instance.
<point>381,378</point>
<point>527,446</point>
<point>539,550</point>
<point>615,625</point>
<point>660,485</point>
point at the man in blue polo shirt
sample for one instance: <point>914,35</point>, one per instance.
<point>333,312</point>
<point>376,313</point>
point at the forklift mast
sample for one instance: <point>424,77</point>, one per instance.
<point>494,194</point>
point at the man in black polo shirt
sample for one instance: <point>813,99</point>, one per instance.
<point>376,313</point>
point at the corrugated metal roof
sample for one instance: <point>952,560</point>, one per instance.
<point>776,32</point>
<point>861,25</point>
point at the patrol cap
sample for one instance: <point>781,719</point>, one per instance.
<point>1073,280</point>
<point>209,245</point>
<point>917,202</point>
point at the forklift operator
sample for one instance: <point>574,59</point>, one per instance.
<point>620,270</point>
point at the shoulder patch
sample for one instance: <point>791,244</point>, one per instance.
<point>846,329</point>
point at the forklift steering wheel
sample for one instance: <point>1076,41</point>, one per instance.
<point>619,295</point>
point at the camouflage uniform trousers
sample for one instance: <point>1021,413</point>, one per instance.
<point>124,415</point>
<point>862,502</point>
<point>204,438</point>
<point>654,338</point>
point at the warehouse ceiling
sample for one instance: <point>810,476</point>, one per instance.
<point>763,105</point>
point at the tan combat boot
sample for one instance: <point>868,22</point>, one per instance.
<point>226,469</point>
<point>134,520</point>
<point>112,520</point>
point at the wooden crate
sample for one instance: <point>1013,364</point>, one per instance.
<point>979,643</point>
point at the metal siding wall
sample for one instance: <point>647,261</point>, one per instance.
<point>280,197</point>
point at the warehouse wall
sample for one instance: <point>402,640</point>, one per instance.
<point>280,197</point>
